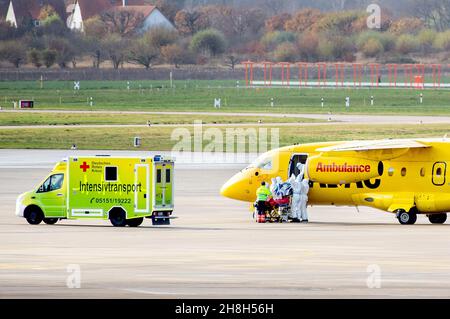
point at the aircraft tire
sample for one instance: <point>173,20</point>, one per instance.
<point>50,221</point>
<point>135,222</point>
<point>34,216</point>
<point>406,218</point>
<point>437,218</point>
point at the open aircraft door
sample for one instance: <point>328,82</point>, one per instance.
<point>439,172</point>
<point>295,159</point>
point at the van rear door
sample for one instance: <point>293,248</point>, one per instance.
<point>163,190</point>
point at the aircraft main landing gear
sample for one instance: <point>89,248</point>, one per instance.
<point>406,218</point>
<point>437,218</point>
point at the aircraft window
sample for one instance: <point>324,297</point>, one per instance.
<point>52,183</point>
<point>422,172</point>
<point>266,165</point>
<point>439,172</point>
<point>391,171</point>
<point>404,171</point>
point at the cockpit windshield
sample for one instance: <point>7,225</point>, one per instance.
<point>265,161</point>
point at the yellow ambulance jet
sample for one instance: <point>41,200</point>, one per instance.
<point>405,176</point>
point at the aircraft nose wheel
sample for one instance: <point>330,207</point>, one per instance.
<point>406,218</point>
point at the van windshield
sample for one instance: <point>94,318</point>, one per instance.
<point>54,182</point>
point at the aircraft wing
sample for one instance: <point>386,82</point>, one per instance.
<point>360,146</point>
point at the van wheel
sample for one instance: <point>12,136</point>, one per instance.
<point>34,216</point>
<point>135,222</point>
<point>437,218</point>
<point>118,218</point>
<point>50,221</point>
<point>406,218</point>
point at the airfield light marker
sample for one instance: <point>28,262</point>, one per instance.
<point>322,74</point>
<point>437,75</point>
<point>272,104</point>
<point>91,101</point>
<point>303,74</point>
<point>268,68</point>
<point>421,98</point>
<point>248,73</point>
<point>285,73</point>
<point>322,102</point>
<point>357,74</point>
<point>375,74</point>
<point>340,74</point>
<point>371,100</point>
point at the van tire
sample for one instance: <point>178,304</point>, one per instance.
<point>135,222</point>
<point>34,215</point>
<point>50,221</point>
<point>118,218</point>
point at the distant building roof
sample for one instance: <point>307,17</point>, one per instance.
<point>145,10</point>
<point>130,2</point>
<point>90,8</point>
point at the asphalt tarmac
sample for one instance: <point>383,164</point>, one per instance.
<point>214,249</point>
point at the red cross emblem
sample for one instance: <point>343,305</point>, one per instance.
<point>85,167</point>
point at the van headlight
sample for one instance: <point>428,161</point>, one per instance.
<point>20,208</point>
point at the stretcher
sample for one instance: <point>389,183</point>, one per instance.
<point>277,210</point>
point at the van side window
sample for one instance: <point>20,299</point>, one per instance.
<point>167,175</point>
<point>158,176</point>
<point>111,173</point>
<point>52,183</point>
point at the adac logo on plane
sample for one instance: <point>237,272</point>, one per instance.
<point>344,168</point>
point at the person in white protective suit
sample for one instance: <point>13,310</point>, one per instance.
<point>301,168</point>
<point>273,186</point>
<point>296,200</point>
<point>277,193</point>
<point>304,190</point>
<point>304,200</point>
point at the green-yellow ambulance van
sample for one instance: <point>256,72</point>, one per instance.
<point>124,190</point>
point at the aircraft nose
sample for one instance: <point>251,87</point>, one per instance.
<point>236,188</point>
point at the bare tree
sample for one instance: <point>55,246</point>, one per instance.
<point>143,53</point>
<point>116,49</point>
<point>435,13</point>
<point>231,61</point>
<point>123,22</point>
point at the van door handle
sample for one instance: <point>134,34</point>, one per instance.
<point>59,195</point>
